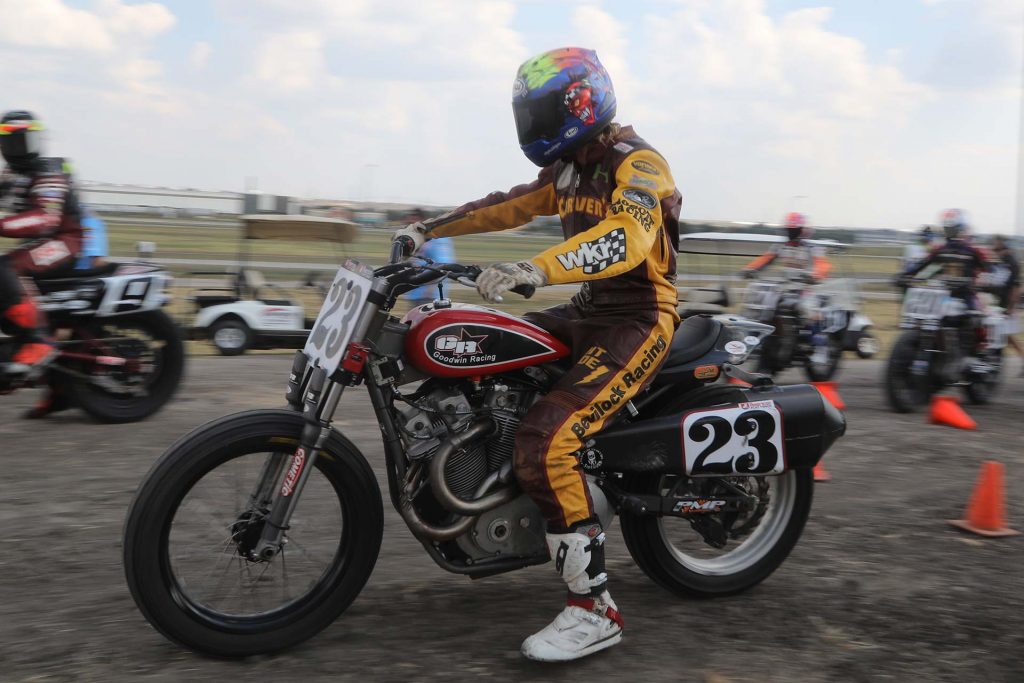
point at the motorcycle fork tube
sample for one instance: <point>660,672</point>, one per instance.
<point>315,432</point>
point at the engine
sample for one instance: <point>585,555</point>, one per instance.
<point>446,410</point>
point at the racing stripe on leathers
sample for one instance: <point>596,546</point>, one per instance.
<point>616,365</point>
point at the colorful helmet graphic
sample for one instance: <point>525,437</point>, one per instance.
<point>20,138</point>
<point>954,223</point>
<point>796,227</point>
<point>561,99</point>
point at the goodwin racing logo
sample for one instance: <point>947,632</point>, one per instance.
<point>463,345</point>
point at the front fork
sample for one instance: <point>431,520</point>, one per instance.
<point>306,385</point>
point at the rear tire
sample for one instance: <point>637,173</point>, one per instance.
<point>110,407</point>
<point>231,336</point>
<point>652,549</point>
<point>981,393</point>
<point>167,600</point>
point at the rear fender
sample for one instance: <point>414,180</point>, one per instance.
<point>756,431</point>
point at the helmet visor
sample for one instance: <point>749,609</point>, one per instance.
<point>538,118</point>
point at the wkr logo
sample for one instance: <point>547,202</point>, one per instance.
<point>597,255</point>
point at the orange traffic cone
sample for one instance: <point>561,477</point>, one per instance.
<point>946,410</point>
<point>737,381</point>
<point>831,394</point>
<point>986,510</point>
<point>821,475</point>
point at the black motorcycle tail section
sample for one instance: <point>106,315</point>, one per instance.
<point>810,425</point>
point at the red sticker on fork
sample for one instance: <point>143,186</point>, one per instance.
<point>298,462</point>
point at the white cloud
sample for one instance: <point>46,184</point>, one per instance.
<point>51,23</point>
<point>200,55</point>
<point>291,61</point>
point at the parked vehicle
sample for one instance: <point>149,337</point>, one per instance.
<point>249,312</point>
<point>120,356</point>
<point>257,530</point>
<point>947,341</point>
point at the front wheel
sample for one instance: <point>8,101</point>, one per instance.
<point>906,384</point>
<point>981,389</point>
<point>152,361</point>
<point>750,546</point>
<point>823,362</point>
<point>197,516</point>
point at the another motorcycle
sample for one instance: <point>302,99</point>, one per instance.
<point>946,342</point>
<point>120,356</point>
<point>257,530</point>
<point>812,323</point>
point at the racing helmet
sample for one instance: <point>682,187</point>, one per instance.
<point>796,227</point>
<point>954,224</point>
<point>20,138</point>
<point>561,99</point>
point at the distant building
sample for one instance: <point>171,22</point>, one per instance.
<point>180,202</point>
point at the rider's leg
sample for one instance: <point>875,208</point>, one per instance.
<point>616,361</point>
<point>18,311</point>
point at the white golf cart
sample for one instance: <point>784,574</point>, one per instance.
<point>248,312</point>
<point>837,300</point>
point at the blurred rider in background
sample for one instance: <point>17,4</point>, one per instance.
<point>956,257</point>
<point>1007,289</point>
<point>619,209</point>
<point>439,250</point>
<point>919,248</point>
<point>794,252</point>
<point>45,216</point>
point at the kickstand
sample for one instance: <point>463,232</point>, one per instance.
<point>755,380</point>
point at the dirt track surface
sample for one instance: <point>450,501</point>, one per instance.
<point>879,588</point>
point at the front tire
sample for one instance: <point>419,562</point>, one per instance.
<point>195,610</point>
<point>823,372</point>
<point>905,390</point>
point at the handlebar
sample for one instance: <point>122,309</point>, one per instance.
<point>401,272</point>
<point>401,248</point>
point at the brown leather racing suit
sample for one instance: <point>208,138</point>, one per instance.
<point>619,209</point>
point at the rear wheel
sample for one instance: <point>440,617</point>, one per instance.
<point>981,390</point>
<point>719,553</point>
<point>151,360</point>
<point>192,527</point>
<point>231,336</point>
<point>906,386</point>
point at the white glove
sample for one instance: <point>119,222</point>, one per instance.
<point>417,232</point>
<point>501,277</point>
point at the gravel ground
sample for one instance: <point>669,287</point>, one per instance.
<point>879,587</point>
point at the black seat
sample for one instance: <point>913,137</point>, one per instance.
<point>694,337</point>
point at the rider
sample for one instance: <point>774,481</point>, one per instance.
<point>619,211</point>
<point>956,257</point>
<point>794,252</point>
<point>45,216</point>
<point>917,250</point>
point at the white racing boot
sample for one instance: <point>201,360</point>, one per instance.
<point>590,621</point>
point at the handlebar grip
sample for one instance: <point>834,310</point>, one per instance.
<point>400,248</point>
<point>525,291</point>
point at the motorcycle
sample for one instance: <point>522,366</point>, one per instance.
<point>257,530</point>
<point>120,357</point>
<point>812,323</point>
<point>945,343</point>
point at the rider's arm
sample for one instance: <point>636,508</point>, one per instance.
<point>820,265</point>
<point>625,237</point>
<point>46,197</point>
<point>915,268</point>
<point>499,210</point>
<point>762,261</point>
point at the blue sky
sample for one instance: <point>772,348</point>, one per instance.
<point>875,113</point>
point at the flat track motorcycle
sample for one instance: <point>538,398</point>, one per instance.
<point>257,530</point>
<point>120,356</point>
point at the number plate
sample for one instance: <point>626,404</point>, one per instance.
<point>745,439</point>
<point>922,302</point>
<point>333,328</point>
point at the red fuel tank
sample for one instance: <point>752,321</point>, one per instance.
<point>467,340</point>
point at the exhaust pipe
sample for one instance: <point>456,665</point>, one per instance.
<point>444,495</point>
